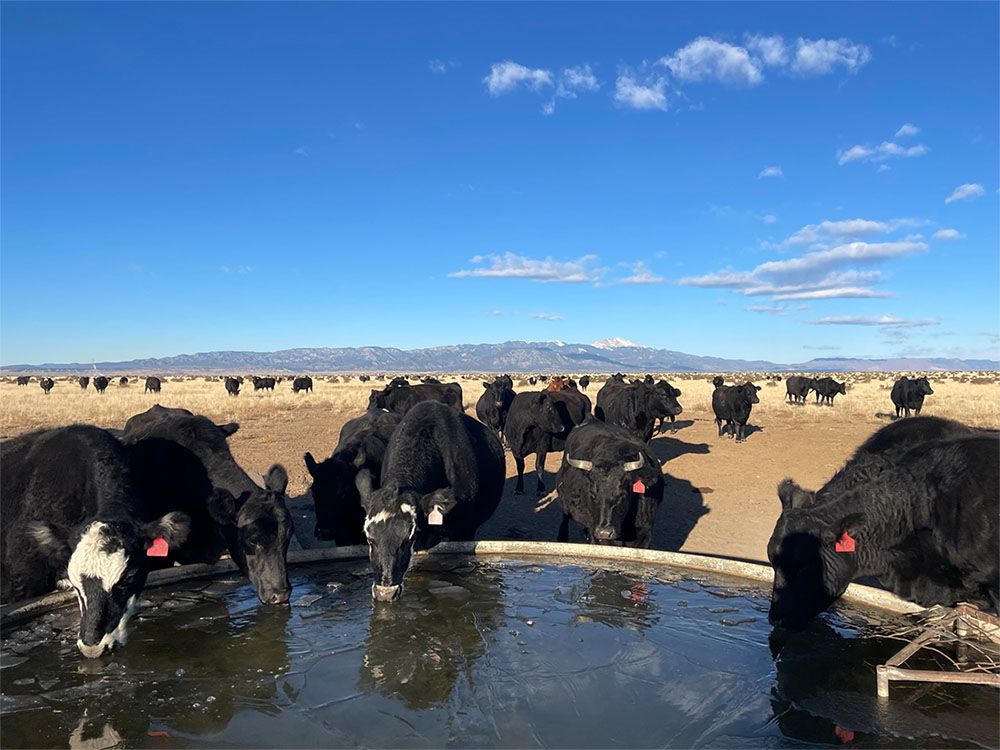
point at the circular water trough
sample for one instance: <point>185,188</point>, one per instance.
<point>494,644</point>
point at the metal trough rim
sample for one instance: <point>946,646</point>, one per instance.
<point>11,614</point>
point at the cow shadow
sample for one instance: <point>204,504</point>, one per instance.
<point>682,507</point>
<point>668,448</point>
<point>680,424</point>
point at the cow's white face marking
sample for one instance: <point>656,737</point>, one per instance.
<point>119,635</point>
<point>89,560</point>
<point>384,515</point>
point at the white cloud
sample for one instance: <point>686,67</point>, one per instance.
<point>889,321</point>
<point>649,94</point>
<point>642,275</point>
<point>771,50</point>
<point>237,269</point>
<point>907,129</point>
<point>441,66</point>
<point>547,316</point>
<point>302,151</point>
<point>965,192</point>
<point>771,172</point>
<point>884,168</point>
<point>507,76</point>
<point>727,279</point>
<point>511,266</point>
<point>881,152</point>
<point>781,310</point>
<point>358,125</point>
<point>821,56</point>
<point>948,234</point>
<point>570,82</point>
<point>494,314</point>
<point>770,218</point>
<point>847,292</point>
<point>708,59</point>
<point>826,232</point>
<point>852,252</point>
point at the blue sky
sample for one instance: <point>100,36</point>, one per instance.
<point>753,180</point>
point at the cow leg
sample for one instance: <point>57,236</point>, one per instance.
<point>540,471</point>
<point>916,412</point>
<point>673,425</point>
<point>718,423</point>
<point>519,463</point>
<point>563,535</point>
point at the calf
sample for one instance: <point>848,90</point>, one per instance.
<point>539,422</point>
<point>399,399</point>
<point>100,384</point>
<point>47,384</point>
<point>493,406</point>
<point>152,385</point>
<point>70,514</point>
<point>909,394</point>
<point>797,388</point>
<point>181,461</point>
<point>925,523</point>
<point>84,381</point>
<point>733,403</point>
<point>362,445</point>
<point>443,475</point>
<point>611,483</point>
<point>827,388</point>
<point>232,386</point>
<point>304,383</point>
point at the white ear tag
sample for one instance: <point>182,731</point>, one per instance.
<point>436,517</point>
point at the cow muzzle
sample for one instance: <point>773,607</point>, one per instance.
<point>91,652</point>
<point>386,593</point>
<point>605,534</point>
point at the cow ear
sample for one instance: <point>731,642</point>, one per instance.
<point>229,429</point>
<point>276,479</point>
<point>360,459</point>
<point>51,539</point>
<point>173,528</point>
<point>849,525</point>
<point>443,499</point>
<point>363,481</point>
<point>793,496</point>
<point>486,385</point>
<point>222,507</point>
<point>310,463</point>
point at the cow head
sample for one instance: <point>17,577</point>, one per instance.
<point>809,573</point>
<point>333,483</point>
<point>748,392</point>
<point>661,402</point>
<point>840,387</point>
<point>923,386</point>
<point>611,488</point>
<point>258,528</point>
<point>545,413</point>
<point>107,569</point>
<point>717,381</point>
<point>376,400</point>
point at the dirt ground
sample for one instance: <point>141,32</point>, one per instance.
<point>720,496</point>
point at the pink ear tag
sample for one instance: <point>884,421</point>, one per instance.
<point>158,548</point>
<point>436,517</point>
<point>638,487</point>
<point>844,544</point>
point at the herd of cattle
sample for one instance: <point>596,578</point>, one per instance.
<point>917,504</point>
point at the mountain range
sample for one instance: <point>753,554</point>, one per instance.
<point>511,356</point>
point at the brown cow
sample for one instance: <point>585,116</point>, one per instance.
<point>561,384</point>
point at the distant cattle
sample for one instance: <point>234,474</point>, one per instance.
<point>232,386</point>
<point>909,394</point>
<point>493,406</point>
<point>263,384</point>
<point>561,384</point>
<point>70,514</point>
<point>23,379</point>
<point>364,378</point>
<point>584,382</point>
<point>532,380</point>
<point>430,379</point>
<point>122,381</point>
<point>152,385</point>
<point>398,381</point>
<point>401,398</point>
<point>636,407</point>
<point>181,461</point>
<point>539,422</point>
<point>443,476</point>
<point>84,381</point>
<point>47,384</point>
<point>611,483</point>
<point>303,383</point>
<point>920,514</point>
<point>797,387</point>
<point>362,445</point>
<point>100,383</point>
<point>732,404</point>
<point>668,392</point>
<point>827,388</point>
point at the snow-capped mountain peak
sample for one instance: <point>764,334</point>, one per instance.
<point>615,342</point>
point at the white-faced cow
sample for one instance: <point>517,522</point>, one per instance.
<point>362,445</point>
<point>732,404</point>
<point>611,483</point>
<point>917,506</point>
<point>70,515</point>
<point>181,461</point>
<point>909,394</point>
<point>443,477</point>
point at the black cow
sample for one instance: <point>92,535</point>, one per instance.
<point>23,379</point>
<point>493,406</point>
<point>122,381</point>
<point>362,444</point>
<point>266,384</point>
<point>152,385</point>
<point>430,379</point>
<point>584,382</point>
<point>181,461</point>
<point>364,378</point>
<point>607,391</point>
<point>84,381</point>
<point>443,476</point>
<point>611,483</point>
<point>47,384</point>
<point>70,515</point>
<point>909,394</point>
<point>398,381</point>
<point>797,387</point>
<point>733,403</point>
<point>100,384</point>
<point>539,422</point>
<point>303,383</point>
<point>827,388</point>
<point>636,407</point>
<point>717,381</point>
<point>668,391</point>
<point>401,398</point>
<point>232,386</point>
<point>926,524</point>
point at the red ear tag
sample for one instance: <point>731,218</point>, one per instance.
<point>638,487</point>
<point>845,544</point>
<point>158,548</point>
<point>435,517</point>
